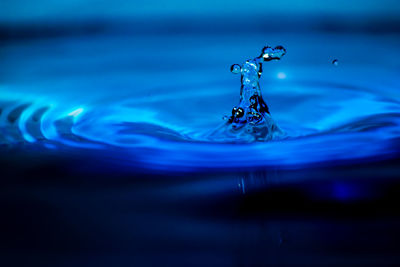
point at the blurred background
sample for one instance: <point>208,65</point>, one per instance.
<point>103,110</point>
<point>48,18</point>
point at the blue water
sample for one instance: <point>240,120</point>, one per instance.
<point>150,102</point>
<point>107,155</point>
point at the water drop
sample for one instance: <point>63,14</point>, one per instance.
<point>268,53</point>
<point>237,112</point>
<point>335,62</point>
<point>236,68</point>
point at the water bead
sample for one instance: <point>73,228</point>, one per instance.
<point>234,111</point>
<point>236,68</point>
<point>335,62</point>
<point>269,53</point>
<point>237,112</point>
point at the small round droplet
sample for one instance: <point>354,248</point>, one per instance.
<point>238,112</point>
<point>235,68</point>
<point>234,111</point>
<point>335,62</point>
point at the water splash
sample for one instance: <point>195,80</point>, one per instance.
<point>251,119</point>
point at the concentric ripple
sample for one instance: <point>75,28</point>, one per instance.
<point>346,123</point>
<point>329,114</point>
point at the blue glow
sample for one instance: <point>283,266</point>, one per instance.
<point>22,124</point>
<point>343,191</point>
<point>281,75</point>
<point>76,112</point>
<point>347,191</point>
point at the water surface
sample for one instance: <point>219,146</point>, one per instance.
<point>151,101</point>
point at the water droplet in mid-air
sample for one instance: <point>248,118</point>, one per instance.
<point>335,62</point>
<point>235,68</point>
<point>268,53</point>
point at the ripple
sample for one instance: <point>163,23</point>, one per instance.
<point>334,131</point>
<point>330,115</point>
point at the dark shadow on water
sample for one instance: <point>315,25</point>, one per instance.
<point>76,210</point>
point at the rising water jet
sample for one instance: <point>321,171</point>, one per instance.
<point>251,119</point>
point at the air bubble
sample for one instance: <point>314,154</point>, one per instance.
<point>335,62</point>
<point>237,112</point>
